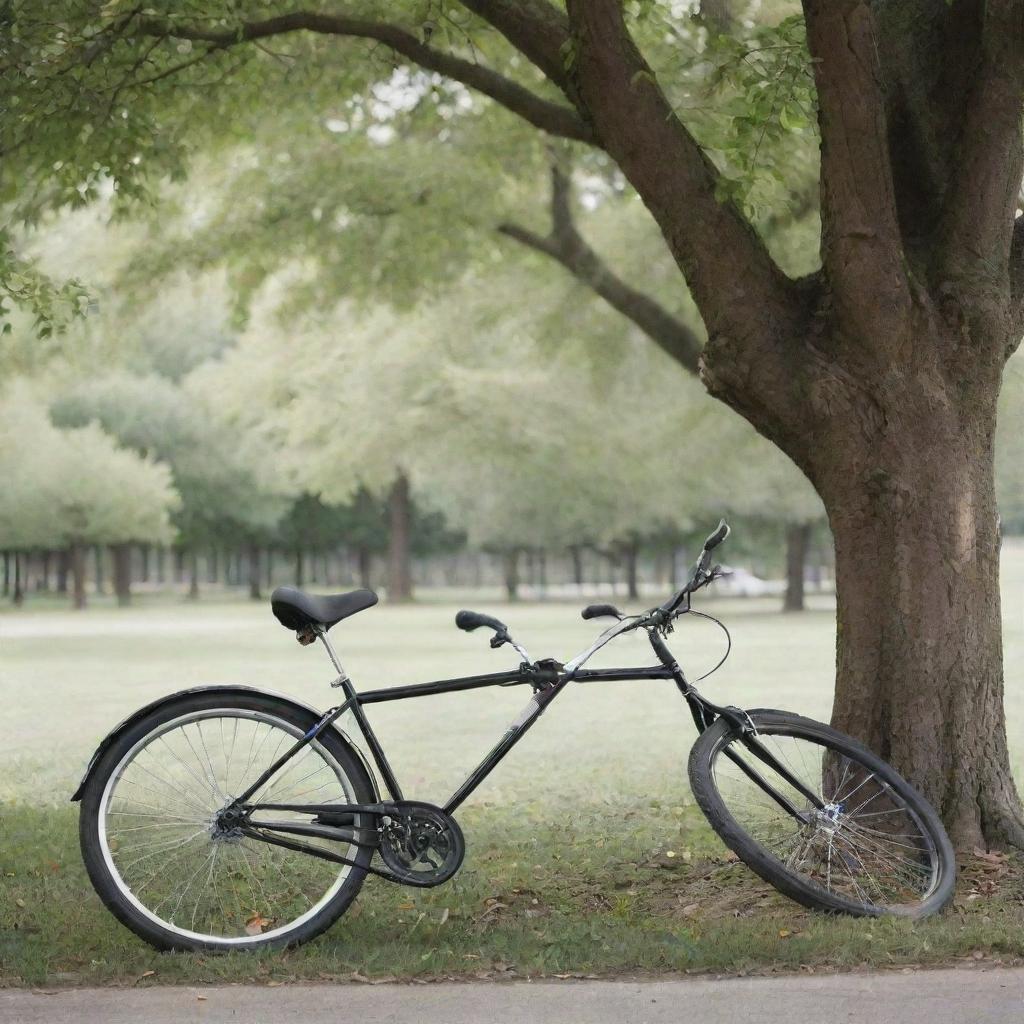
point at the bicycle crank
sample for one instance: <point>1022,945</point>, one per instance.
<point>421,844</point>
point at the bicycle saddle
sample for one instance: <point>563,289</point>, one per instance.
<point>295,609</point>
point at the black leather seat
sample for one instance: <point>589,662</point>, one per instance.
<point>295,609</point>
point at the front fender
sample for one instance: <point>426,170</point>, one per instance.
<point>143,711</point>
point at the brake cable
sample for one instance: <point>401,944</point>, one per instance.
<point>728,642</point>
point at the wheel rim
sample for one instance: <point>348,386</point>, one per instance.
<point>166,856</point>
<point>866,845</point>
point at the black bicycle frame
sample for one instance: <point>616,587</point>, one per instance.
<point>547,682</point>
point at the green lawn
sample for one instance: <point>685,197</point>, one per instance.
<point>567,869</point>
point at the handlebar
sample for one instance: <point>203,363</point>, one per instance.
<point>656,619</point>
<point>721,532</point>
<point>469,621</point>
<point>599,611</point>
<point>700,575</point>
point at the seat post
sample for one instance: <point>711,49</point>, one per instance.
<point>342,674</point>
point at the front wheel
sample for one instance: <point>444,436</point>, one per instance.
<point>162,861</point>
<point>821,818</point>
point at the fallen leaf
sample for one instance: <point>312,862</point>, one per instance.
<point>444,916</point>
<point>256,924</point>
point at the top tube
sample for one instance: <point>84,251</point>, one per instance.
<point>609,634</point>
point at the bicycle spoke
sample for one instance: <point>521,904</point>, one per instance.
<point>834,846</point>
<point>189,872</point>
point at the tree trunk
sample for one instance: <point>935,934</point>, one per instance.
<point>399,568</point>
<point>122,561</point>
<point>631,556</point>
<point>798,538</point>
<point>911,502</point>
<point>145,553</point>
<point>161,565</point>
<point>254,573</point>
<point>193,576</point>
<point>511,564</point>
<point>99,557</point>
<point>76,559</point>
<point>18,595</point>
<point>44,575</point>
<point>365,560</point>
<point>577,564</point>
<point>7,573</point>
<point>62,572</point>
<point>298,567</point>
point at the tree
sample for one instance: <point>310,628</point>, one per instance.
<point>74,488</point>
<point>878,373</point>
<point>228,486</point>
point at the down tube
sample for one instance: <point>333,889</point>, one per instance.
<point>515,732</point>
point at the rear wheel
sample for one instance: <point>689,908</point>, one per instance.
<point>868,844</point>
<point>165,865</point>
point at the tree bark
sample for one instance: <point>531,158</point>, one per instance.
<point>254,573</point>
<point>908,483</point>
<point>510,561</point>
<point>76,559</point>
<point>798,538</point>
<point>122,562</point>
<point>399,561</point>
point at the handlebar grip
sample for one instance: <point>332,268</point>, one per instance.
<point>718,536</point>
<point>474,620</point>
<point>597,611</point>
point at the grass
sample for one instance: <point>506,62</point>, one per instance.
<point>568,869</point>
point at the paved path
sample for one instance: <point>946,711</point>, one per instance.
<point>969,996</point>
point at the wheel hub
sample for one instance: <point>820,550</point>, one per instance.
<point>226,824</point>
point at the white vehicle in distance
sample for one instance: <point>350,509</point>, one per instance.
<point>743,583</point>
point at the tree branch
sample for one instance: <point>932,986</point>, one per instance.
<point>553,118</point>
<point>726,264</point>
<point>535,28</point>
<point>978,227</point>
<point>862,248</point>
<point>755,363</point>
<point>569,248</point>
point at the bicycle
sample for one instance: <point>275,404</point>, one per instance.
<point>225,817</point>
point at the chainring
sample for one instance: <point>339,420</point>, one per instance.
<point>421,844</point>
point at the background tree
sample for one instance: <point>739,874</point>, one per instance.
<point>79,488</point>
<point>228,485</point>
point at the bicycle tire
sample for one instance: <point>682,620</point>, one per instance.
<point>802,885</point>
<point>116,893</point>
